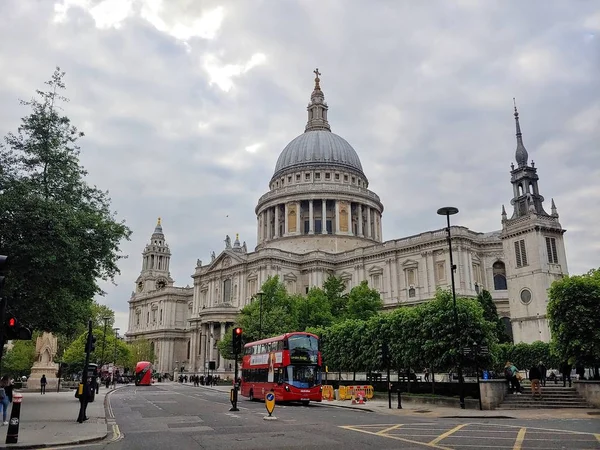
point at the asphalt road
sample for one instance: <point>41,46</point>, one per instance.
<point>173,416</point>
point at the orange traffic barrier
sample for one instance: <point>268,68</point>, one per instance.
<point>327,392</point>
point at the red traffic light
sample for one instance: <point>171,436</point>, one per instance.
<point>12,322</point>
<point>238,330</point>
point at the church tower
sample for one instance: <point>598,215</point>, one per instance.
<point>155,263</point>
<point>534,249</point>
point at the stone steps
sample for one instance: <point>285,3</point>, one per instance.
<point>553,397</point>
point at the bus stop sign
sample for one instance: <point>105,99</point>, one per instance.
<point>270,402</point>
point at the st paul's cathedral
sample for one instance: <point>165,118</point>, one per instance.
<point>319,218</point>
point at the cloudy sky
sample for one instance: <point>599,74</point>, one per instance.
<point>186,105</point>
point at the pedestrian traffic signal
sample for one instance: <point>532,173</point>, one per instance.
<point>13,330</point>
<point>237,340</point>
<point>90,345</point>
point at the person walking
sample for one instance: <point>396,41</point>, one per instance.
<point>542,368</point>
<point>426,375</point>
<point>4,400</point>
<point>565,369</point>
<point>535,378</point>
<point>43,383</point>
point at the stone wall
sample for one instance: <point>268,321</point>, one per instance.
<point>492,393</point>
<point>589,390</point>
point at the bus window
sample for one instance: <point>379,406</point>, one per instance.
<point>303,343</point>
<point>303,376</point>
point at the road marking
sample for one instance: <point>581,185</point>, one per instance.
<point>447,433</point>
<point>520,439</point>
<point>391,436</point>
<point>385,430</point>
<point>597,437</point>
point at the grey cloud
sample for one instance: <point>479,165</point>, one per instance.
<point>422,90</point>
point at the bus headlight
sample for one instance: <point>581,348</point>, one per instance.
<point>287,388</point>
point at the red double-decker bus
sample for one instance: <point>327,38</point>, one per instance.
<point>289,364</point>
<point>143,373</point>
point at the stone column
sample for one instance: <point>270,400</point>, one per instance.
<point>337,217</point>
<point>221,359</point>
<point>311,218</point>
<point>369,222</point>
<point>211,341</point>
<point>193,343</point>
<point>298,217</point>
<point>380,228</point>
<point>360,220</point>
<point>269,215</point>
<point>286,227</point>
<point>395,277</point>
<point>202,347</point>
<point>258,229</point>
<point>324,217</point>
<point>277,221</point>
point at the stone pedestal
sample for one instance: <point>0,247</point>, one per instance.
<point>50,370</point>
<point>45,350</point>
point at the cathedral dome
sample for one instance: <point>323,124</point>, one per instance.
<point>316,148</point>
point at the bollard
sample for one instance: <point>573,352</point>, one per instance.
<point>399,399</point>
<point>12,435</point>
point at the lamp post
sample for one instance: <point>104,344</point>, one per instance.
<point>450,211</point>
<point>114,378</point>
<point>260,297</point>
<point>106,319</point>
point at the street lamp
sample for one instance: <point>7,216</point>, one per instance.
<point>450,211</point>
<point>106,319</point>
<point>114,379</point>
<point>260,297</point>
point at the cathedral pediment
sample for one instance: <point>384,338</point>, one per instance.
<point>225,260</point>
<point>410,263</point>
<point>289,277</point>
<point>375,270</point>
<point>346,276</point>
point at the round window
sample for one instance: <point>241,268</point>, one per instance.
<point>526,296</point>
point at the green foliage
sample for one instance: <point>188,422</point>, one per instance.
<point>74,355</point>
<point>140,350</point>
<point>19,359</point>
<point>363,302</point>
<point>574,313</point>
<point>59,232</point>
<point>490,313</point>
<point>334,288</point>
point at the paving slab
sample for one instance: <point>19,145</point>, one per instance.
<point>50,420</point>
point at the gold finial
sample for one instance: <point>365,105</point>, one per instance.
<point>158,223</point>
<point>237,236</point>
<point>317,79</point>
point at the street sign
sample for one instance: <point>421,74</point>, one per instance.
<point>270,402</point>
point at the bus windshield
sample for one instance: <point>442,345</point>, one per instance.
<point>303,376</point>
<point>301,342</point>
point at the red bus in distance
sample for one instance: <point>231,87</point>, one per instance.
<point>289,364</point>
<point>143,373</point>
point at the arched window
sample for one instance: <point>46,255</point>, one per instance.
<point>499,271</point>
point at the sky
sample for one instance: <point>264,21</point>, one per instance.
<point>186,105</point>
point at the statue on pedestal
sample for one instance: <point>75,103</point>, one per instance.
<point>46,347</point>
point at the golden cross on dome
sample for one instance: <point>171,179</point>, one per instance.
<point>158,223</point>
<point>237,236</point>
<point>317,73</point>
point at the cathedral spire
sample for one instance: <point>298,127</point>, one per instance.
<point>317,108</point>
<point>521,153</point>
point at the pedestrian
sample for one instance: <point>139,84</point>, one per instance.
<point>43,383</point>
<point>511,373</point>
<point>535,377</point>
<point>565,369</point>
<point>542,368</point>
<point>4,401</point>
<point>426,375</point>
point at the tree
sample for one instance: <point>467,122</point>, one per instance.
<point>490,313</point>
<point>334,288</point>
<point>140,350</point>
<point>19,359</point>
<point>574,313</point>
<point>59,231</point>
<point>363,302</point>
<point>74,355</point>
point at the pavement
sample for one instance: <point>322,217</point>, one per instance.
<point>51,420</point>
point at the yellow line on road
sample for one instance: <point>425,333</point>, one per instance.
<point>597,437</point>
<point>447,433</point>
<point>391,436</point>
<point>385,430</point>
<point>520,439</point>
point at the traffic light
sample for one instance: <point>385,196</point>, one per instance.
<point>237,340</point>
<point>13,330</point>
<point>385,354</point>
<point>3,260</point>
<point>90,344</point>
